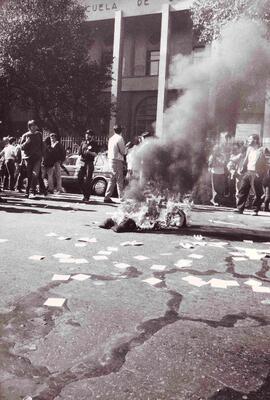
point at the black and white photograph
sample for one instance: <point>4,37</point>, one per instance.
<point>134,199</point>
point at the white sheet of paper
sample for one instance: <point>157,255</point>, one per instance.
<point>81,261</point>
<point>92,240</point>
<point>196,256</point>
<point>99,258</point>
<point>253,282</point>
<point>80,277</point>
<point>61,255</point>
<point>112,248</point>
<point>186,245</point>
<point>59,277</point>
<point>141,258</point>
<point>183,263</point>
<point>67,260</point>
<point>195,281</point>
<point>54,302</point>
<point>125,244</point>
<point>166,254</point>
<point>36,257</point>
<point>239,259</point>
<point>157,267</point>
<point>51,234</point>
<point>121,265</point>
<point>261,289</point>
<point>218,283</point>
<point>64,238</point>
<point>105,253</point>
<point>152,281</point>
<point>3,240</point>
<point>80,244</point>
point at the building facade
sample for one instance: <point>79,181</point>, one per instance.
<point>140,37</point>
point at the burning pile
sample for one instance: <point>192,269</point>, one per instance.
<point>158,210</point>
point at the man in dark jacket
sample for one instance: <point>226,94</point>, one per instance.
<point>87,152</point>
<point>32,147</point>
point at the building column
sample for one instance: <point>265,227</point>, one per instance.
<point>266,124</point>
<point>117,67</point>
<point>163,68</point>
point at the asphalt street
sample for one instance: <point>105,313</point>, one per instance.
<point>171,315</point>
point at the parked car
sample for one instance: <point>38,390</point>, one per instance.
<point>101,174</point>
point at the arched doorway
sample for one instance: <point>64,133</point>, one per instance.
<point>145,115</point>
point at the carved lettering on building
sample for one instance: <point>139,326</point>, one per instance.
<point>142,3</point>
<point>102,7</point>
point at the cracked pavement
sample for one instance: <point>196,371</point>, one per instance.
<point>117,337</point>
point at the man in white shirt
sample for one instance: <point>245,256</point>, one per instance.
<point>116,155</point>
<point>255,165</point>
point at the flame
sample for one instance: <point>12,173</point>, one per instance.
<point>158,209</point>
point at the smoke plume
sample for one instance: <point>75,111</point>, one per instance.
<point>228,77</point>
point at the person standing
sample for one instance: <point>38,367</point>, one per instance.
<point>9,152</point>
<point>58,155</point>
<point>216,164</point>
<point>88,151</point>
<point>255,165</point>
<point>116,155</point>
<point>32,146</point>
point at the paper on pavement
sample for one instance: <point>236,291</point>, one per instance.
<point>253,282</point>
<point>36,257</point>
<point>99,258</point>
<point>61,255</point>
<point>152,281</point>
<point>80,277</point>
<point>141,258</point>
<point>157,267</point>
<point>196,256</point>
<point>183,263</point>
<point>59,277</point>
<point>54,302</point>
<point>194,280</point>
<point>121,265</point>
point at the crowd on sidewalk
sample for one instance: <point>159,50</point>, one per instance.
<point>238,171</point>
<point>241,172</point>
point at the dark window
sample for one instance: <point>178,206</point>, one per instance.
<point>152,66</point>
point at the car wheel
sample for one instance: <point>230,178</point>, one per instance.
<point>99,187</point>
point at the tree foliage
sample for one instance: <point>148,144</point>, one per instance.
<point>44,61</point>
<point>210,15</point>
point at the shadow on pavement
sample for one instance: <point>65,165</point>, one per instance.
<point>10,209</point>
<point>216,232</point>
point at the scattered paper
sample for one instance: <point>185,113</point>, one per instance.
<point>253,282</point>
<point>105,253</point>
<point>152,281</point>
<point>261,289</point>
<point>157,267</point>
<point>121,265</point>
<point>36,258</point>
<point>131,243</point>
<point>186,245</point>
<point>183,263</point>
<point>55,302</point>
<point>141,258</point>
<point>80,261</point>
<point>198,237</point>
<point>80,277</point>
<point>99,283</point>
<point>59,277</point>
<point>80,244</point>
<point>61,255</point>
<point>64,238</point>
<point>166,254</point>
<point>194,280</point>
<point>51,234</point>
<point>196,256</point>
<point>222,284</point>
<point>239,259</point>
<point>112,248</point>
<point>218,244</point>
<point>92,240</point>
<point>99,258</point>
<point>67,260</point>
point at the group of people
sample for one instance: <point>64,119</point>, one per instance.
<point>241,172</point>
<point>33,159</point>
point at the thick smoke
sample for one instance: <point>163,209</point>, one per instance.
<point>212,91</point>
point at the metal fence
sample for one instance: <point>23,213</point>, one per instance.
<point>73,142</point>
